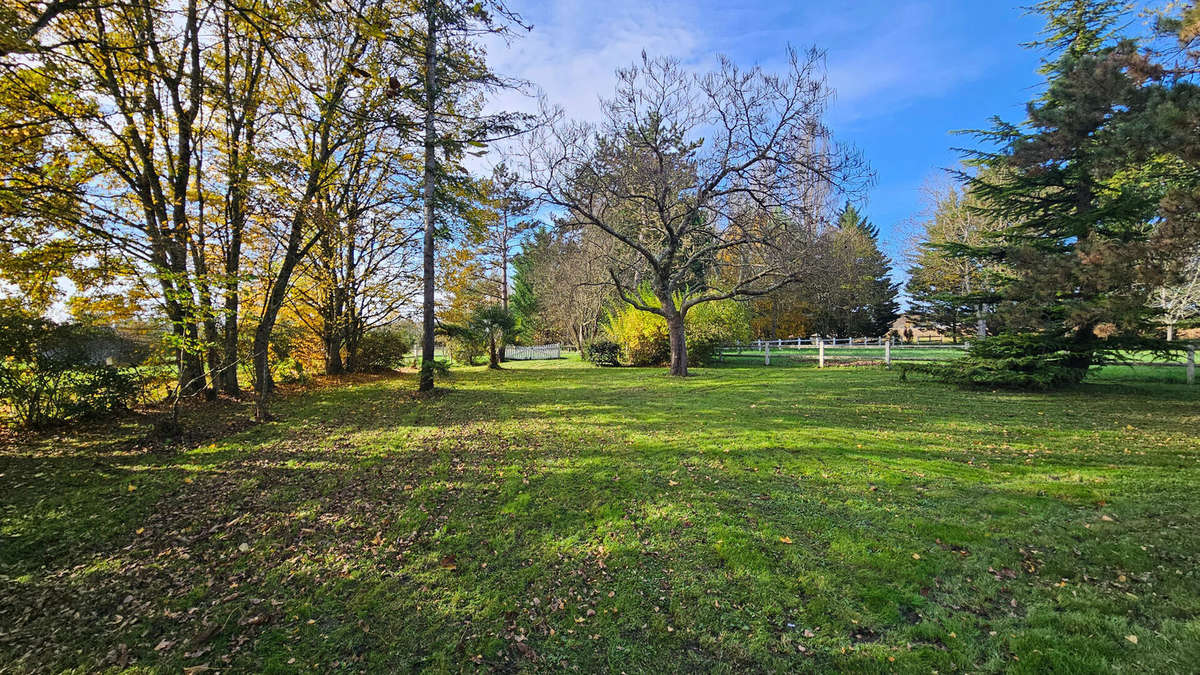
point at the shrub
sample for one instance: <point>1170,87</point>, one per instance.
<point>440,366</point>
<point>602,353</point>
<point>466,348</point>
<point>50,373</point>
<point>288,370</point>
<point>712,325</point>
<point>642,336</point>
<point>645,341</point>
<point>1013,361</point>
<point>383,349</point>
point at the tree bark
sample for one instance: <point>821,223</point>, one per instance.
<point>493,355</point>
<point>678,344</point>
<point>427,193</point>
<point>1170,332</point>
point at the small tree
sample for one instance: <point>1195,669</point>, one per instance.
<point>494,323</point>
<point>712,185</point>
<point>1179,301</point>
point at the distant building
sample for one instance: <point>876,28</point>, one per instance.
<point>905,322</point>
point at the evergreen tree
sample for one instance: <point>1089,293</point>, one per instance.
<point>860,299</point>
<point>1087,184</point>
<point>523,301</point>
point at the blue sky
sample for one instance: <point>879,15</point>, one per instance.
<point>906,73</point>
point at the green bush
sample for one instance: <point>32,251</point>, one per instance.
<point>383,349</point>
<point>712,325</point>
<point>1029,361</point>
<point>466,349</point>
<point>645,341</point>
<point>602,353</point>
<point>51,373</point>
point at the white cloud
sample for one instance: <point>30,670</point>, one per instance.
<point>882,56</point>
<point>575,47</point>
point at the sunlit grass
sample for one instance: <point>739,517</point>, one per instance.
<point>555,515</point>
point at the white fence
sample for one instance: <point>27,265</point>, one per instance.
<point>888,350</point>
<point>532,352</point>
<point>834,350</point>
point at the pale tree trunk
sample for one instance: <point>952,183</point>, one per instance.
<point>427,193</point>
<point>504,277</point>
<point>1170,332</point>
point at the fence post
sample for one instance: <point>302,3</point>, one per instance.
<point>887,353</point>
<point>767,353</point>
<point>1191,364</point>
<point>821,353</point>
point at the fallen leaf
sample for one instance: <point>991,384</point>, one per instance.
<point>785,540</point>
<point>1131,638</point>
<point>449,562</point>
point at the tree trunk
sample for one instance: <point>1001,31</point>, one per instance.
<point>1170,332</point>
<point>191,363</point>
<point>493,355</point>
<point>333,352</point>
<point>262,370</point>
<point>427,317</point>
<point>678,345</point>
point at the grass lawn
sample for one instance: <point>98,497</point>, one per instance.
<point>557,515</point>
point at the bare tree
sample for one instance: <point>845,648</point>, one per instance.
<point>713,184</point>
<point>568,274</point>
<point>1179,301</point>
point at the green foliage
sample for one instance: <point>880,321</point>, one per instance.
<point>289,370</point>
<point>495,324</point>
<point>602,352</point>
<point>51,373</point>
<point>643,336</point>
<point>1085,181</point>
<point>858,297</point>
<point>383,349</point>
<point>1031,361</point>
<point>524,301</point>
<point>710,325</point>
<point>645,340</point>
<point>466,346</point>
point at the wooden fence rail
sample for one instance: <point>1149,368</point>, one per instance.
<point>900,351</point>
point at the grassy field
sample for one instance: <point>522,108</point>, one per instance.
<point>554,515</point>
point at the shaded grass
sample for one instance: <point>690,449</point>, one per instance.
<point>553,515</point>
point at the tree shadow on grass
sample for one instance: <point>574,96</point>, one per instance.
<point>375,531</point>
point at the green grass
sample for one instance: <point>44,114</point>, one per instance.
<point>554,515</point>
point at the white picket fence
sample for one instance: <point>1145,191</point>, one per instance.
<point>532,352</point>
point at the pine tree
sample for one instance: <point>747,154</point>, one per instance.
<point>1086,183</point>
<point>861,299</point>
<point>523,300</point>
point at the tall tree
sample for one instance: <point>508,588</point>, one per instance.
<point>948,291</point>
<point>1081,182</point>
<point>858,297</point>
<point>332,60</point>
<point>705,181</point>
<point>561,290</point>
<point>446,37</point>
